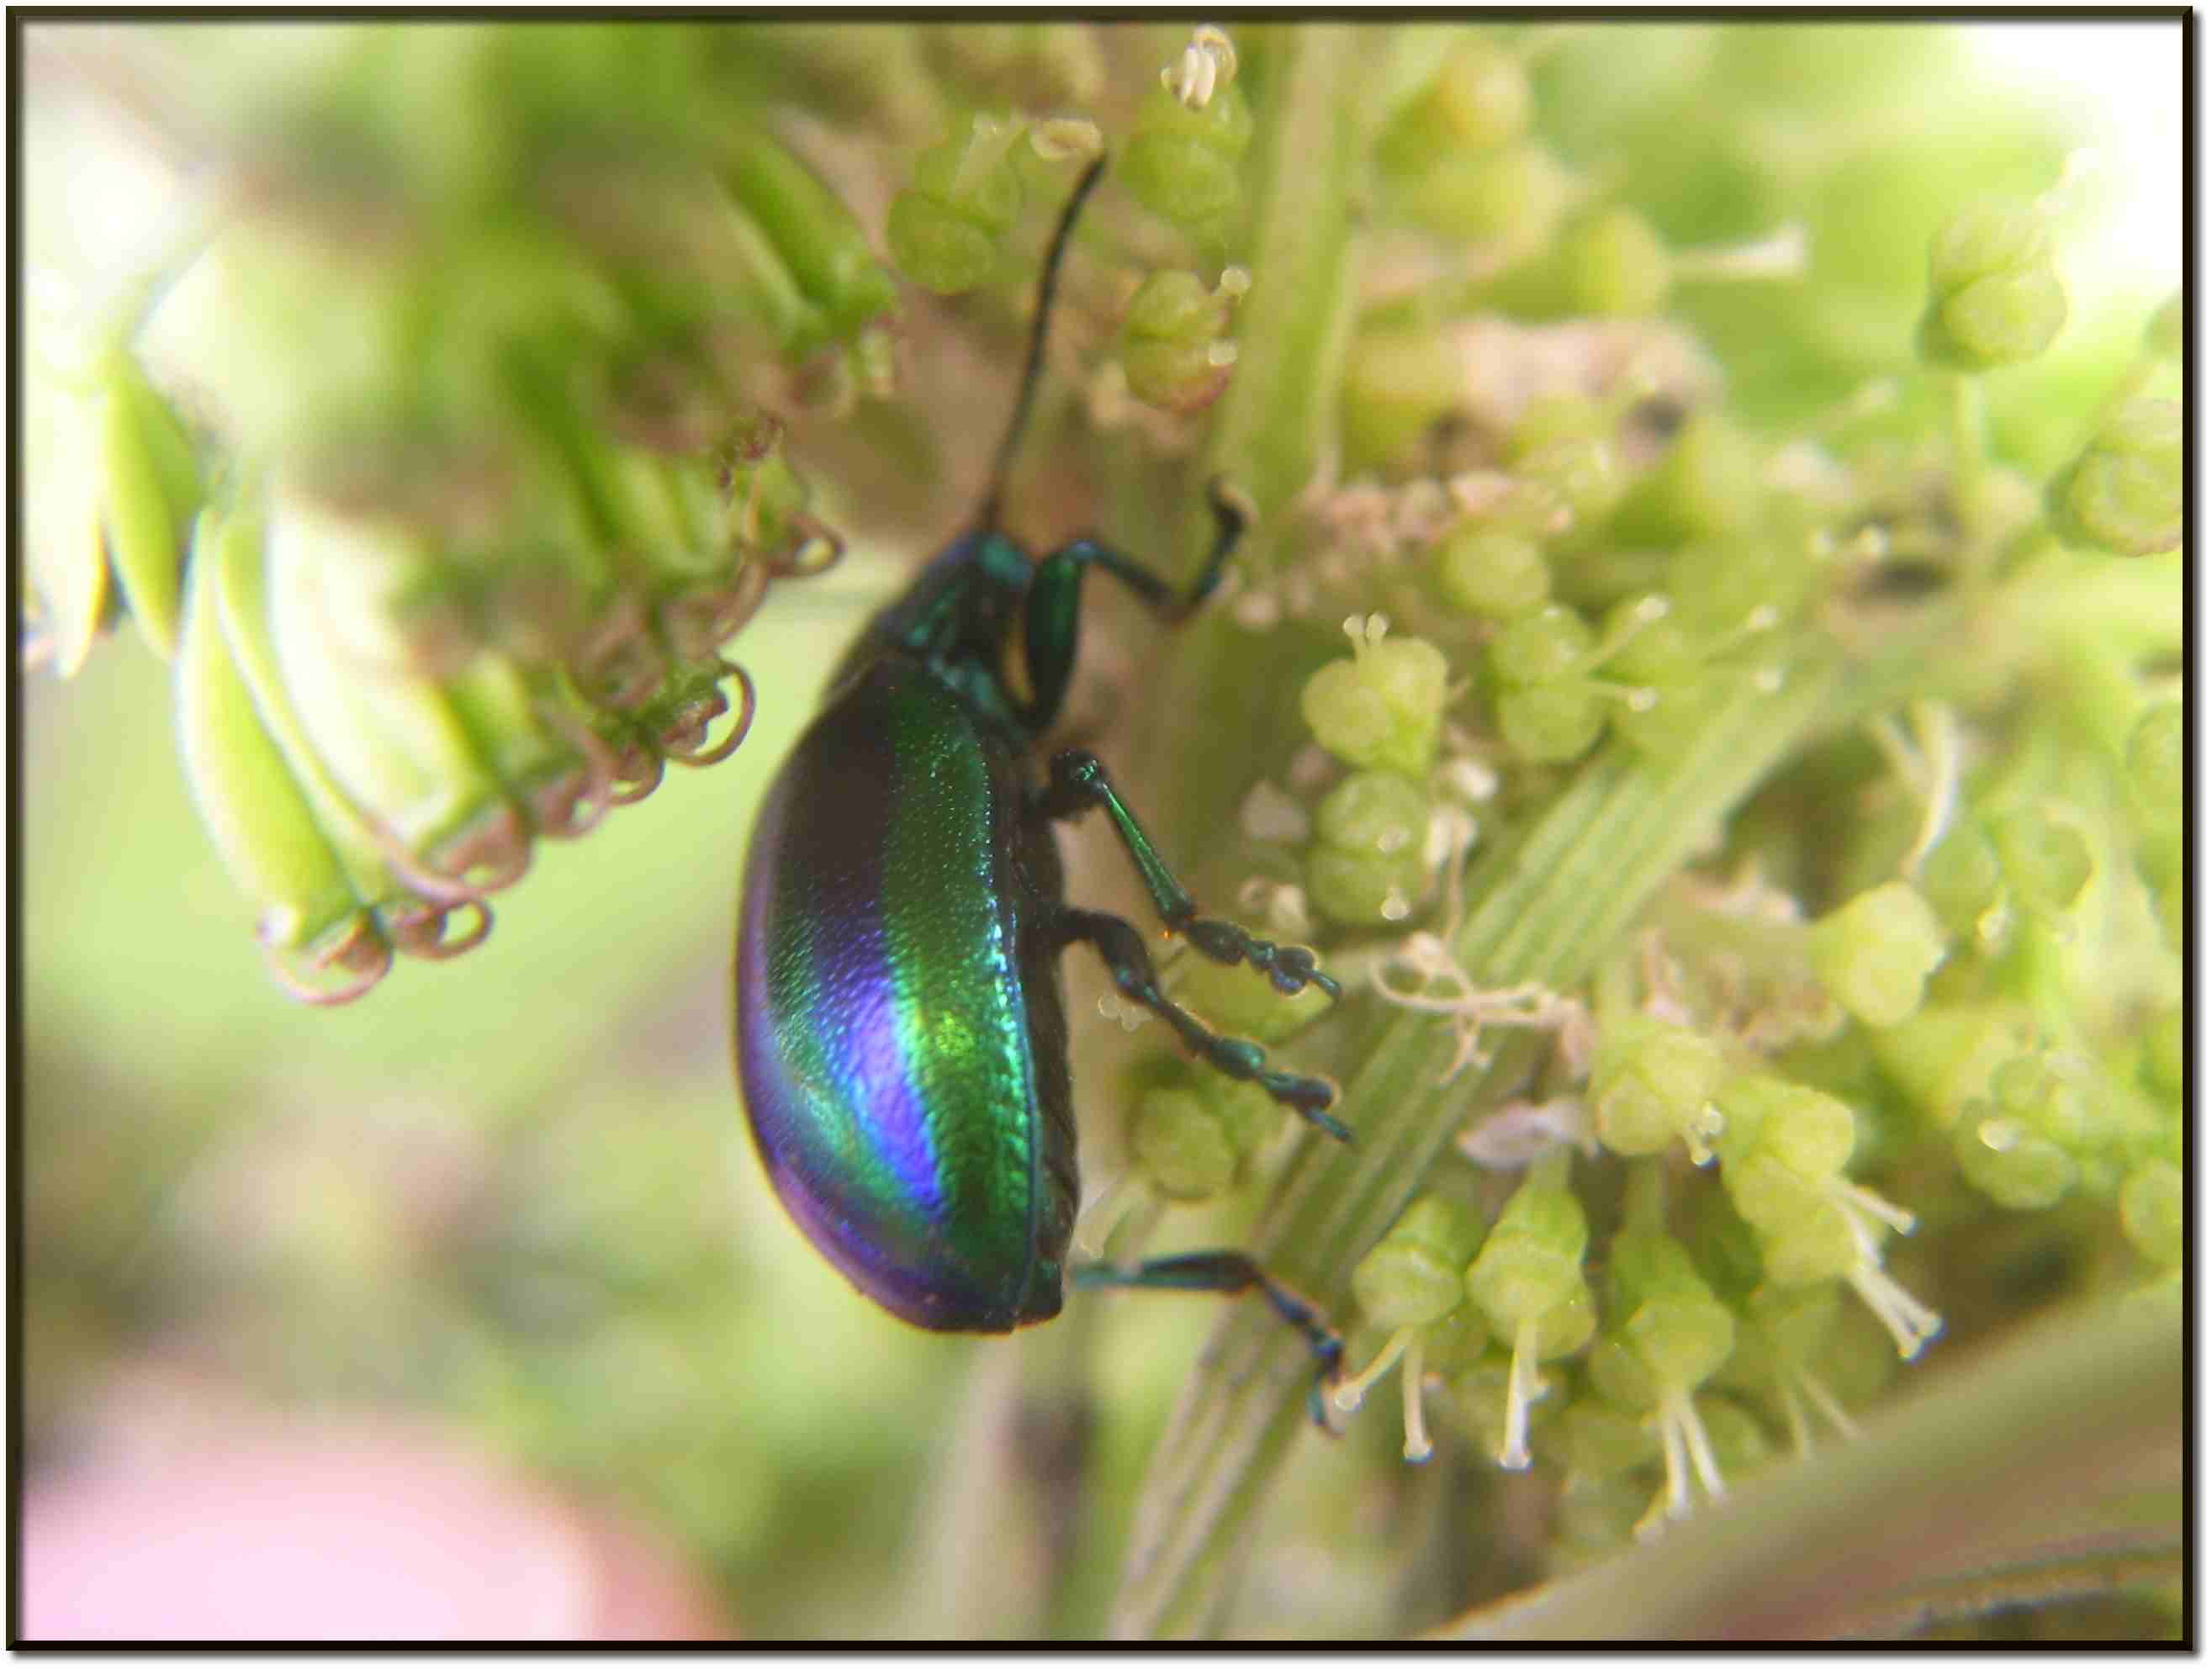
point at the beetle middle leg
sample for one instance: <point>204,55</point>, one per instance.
<point>1122,948</point>
<point>1230,1273</point>
<point>1079,783</point>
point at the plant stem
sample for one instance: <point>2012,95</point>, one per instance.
<point>2036,1438</point>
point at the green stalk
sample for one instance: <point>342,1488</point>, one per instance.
<point>2062,1449</point>
<point>1272,425</point>
<point>1547,906</point>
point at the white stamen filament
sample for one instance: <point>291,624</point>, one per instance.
<point>1824,1401</point>
<point>1672,1500</point>
<point>1938,731</point>
<point>1352,1393</point>
<point>1701,1129</point>
<point>1521,1389</point>
<point>1780,254</point>
<point>1411,1379</point>
<point>1793,1411</point>
<point>1849,1195</point>
<point>1910,1323</point>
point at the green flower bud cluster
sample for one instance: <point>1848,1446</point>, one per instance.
<point>1527,1284</point>
<point>2018,1145</point>
<point>1396,385</point>
<point>2124,493</point>
<point>1565,449</point>
<point>499,488</point>
<point>1707,486</point>
<point>1610,262</point>
<point>1367,866</point>
<point>1783,1148</point>
<point>829,287</point>
<point>1992,869</point>
<point>1782,1334</point>
<point>1457,159</point>
<point>1652,1084</point>
<point>1875,953</point>
<point>1667,1335</point>
<point>1173,347</point>
<point>1411,1286</point>
<point>1380,710</point>
<point>2157,781</point>
<point>1494,572</point>
<point>2050,1124</point>
<point>1440,1288</point>
<point>948,230</point>
<point>374,749</point>
<point>1184,158</point>
<point>1549,704</point>
<point>1994,298</point>
<point>120,484</point>
<point>1192,1134</point>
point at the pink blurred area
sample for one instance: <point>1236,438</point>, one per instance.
<point>257,1527</point>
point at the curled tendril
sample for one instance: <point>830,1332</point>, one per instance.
<point>421,931</point>
<point>618,665</point>
<point>497,840</point>
<point>602,770</point>
<point>434,886</point>
<point>699,621</point>
<point>715,706</point>
<point>816,549</point>
<point>361,951</point>
<point>638,772</point>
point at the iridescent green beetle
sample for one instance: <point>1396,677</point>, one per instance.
<point>901,1037</point>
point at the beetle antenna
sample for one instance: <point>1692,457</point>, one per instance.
<point>987,516</point>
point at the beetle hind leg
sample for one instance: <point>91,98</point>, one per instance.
<point>1078,784</point>
<point>1231,1273</point>
<point>1122,949</point>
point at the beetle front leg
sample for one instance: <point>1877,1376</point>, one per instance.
<point>1079,783</point>
<point>1122,949</point>
<point>1230,1273</point>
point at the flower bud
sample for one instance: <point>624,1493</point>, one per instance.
<point>1708,485</point>
<point>1943,1055</point>
<point>2153,1212</point>
<point>1613,265</point>
<point>1994,297</point>
<point>1513,196</point>
<point>1415,1274</point>
<point>1172,349</point>
<point>1653,1084</point>
<point>1395,385</point>
<point>1962,879</point>
<point>2156,770</point>
<point>1380,709</point>
<point>1185,163</point>
<point>1366,866</point>
<point>1876,953</point>
<point>1492,572</point>
<point>945,230</point>
<point>2124,493</point>
<point>2046,862</point>
<point>1478,100</point>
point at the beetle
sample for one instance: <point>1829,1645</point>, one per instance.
<point>901,1037</point>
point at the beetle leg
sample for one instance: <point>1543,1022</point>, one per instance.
<point>1052,608</point>
<point>1230,1273</point>
<point>1122,948</point>
<point>1079,783</point>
